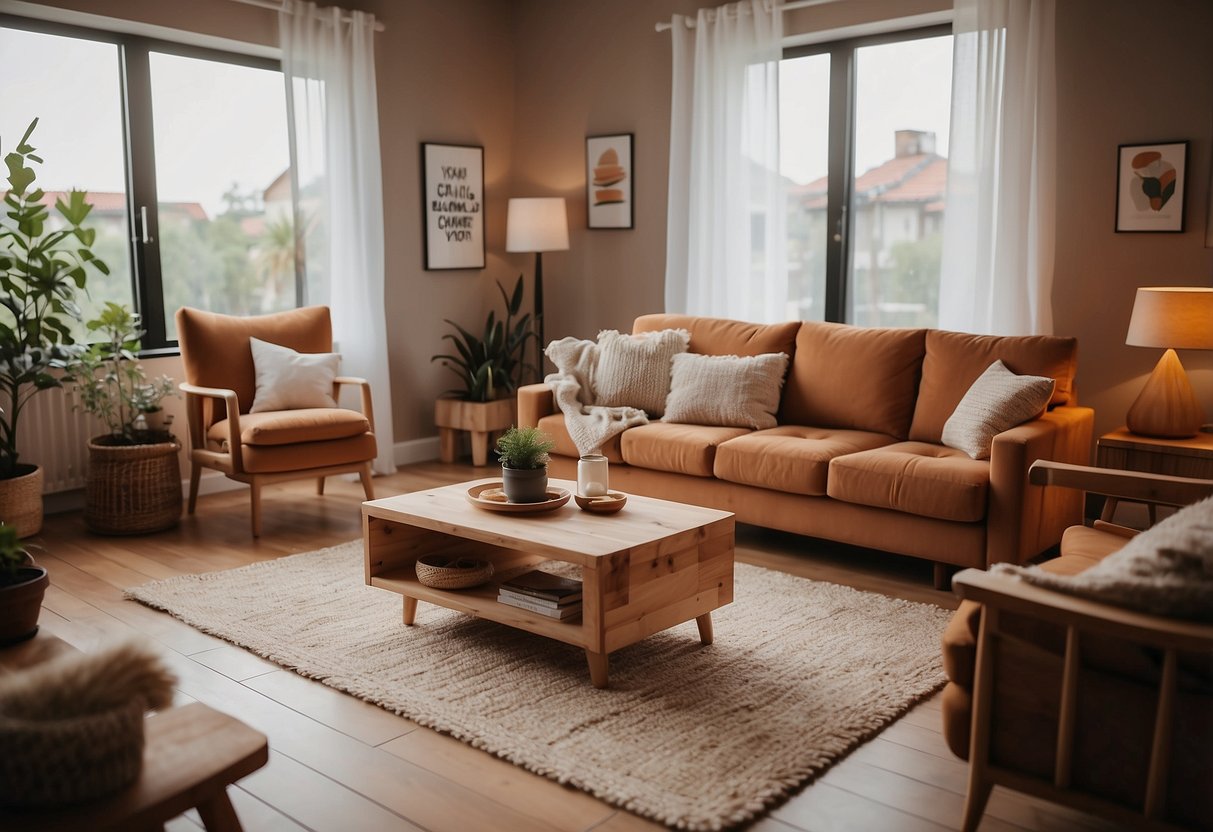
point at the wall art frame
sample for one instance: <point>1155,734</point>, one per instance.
<point>610,181</point>
<point>1151,184</point>
<point>452,206</point>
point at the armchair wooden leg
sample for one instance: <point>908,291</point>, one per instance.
<point>368,488</point>
<point>975,803</point>
<point>195,477</point>
<point>320,486</point>
<point>255,490</point>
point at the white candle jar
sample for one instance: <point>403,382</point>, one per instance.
<point>593,478</point>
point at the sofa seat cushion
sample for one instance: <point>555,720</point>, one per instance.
<point>553,425</point>
<point>272,459</point>
<point>790,458</point>
<point>290,427</point>
<point>915,477</point>
<point>1081,548</point>
<point>683,449</point>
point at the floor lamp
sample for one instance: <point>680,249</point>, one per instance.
<point>537,224</point>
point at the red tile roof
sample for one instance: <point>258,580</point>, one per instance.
<point>109,202</point>
<point>919,178</point>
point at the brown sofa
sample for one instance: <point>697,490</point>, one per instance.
<point>856,456</point>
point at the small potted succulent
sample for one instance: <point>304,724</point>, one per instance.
<point>22,585</point>
<point>524,464</point>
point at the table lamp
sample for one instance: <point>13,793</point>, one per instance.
<point>1171,317</point>
<point>537,224</point>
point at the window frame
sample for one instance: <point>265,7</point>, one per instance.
<point>139,147</point>
<point>840,166</point>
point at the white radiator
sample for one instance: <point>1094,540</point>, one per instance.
<point>51,433</point>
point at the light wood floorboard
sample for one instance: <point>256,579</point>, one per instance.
<point>341,764</point>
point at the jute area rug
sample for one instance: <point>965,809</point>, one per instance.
<point>695,737</point>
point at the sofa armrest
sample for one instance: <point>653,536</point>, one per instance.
<point>1025,519</point>
<point>534,402</point>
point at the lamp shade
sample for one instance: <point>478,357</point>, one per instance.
<point>536,224</point>
<point>1172,317</point>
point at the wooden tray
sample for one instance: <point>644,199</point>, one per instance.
<point>489,496</point>
<point>608,503</point>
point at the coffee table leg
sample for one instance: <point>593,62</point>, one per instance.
<point>410,610</point>
<point>598,668</point>
<point>705,627</point>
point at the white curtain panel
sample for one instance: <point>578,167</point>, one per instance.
<point>726,227</point>
<point>997,271</point>
<point>329,64</point>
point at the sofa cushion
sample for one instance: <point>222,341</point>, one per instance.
<point>1081,548</point>
<point>292,380</point>
<point>954,360</point>
<point>553,425</point>
<point>914,477</point>
<point>634,370</point>
<point>290,427</point>
<point>720,336</point>
<point>861,378</point>
<point>790,458</point>
<point>997,401</point>
<point>683,449</point>
<point>739,391</point>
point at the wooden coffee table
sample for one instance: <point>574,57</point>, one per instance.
<point>650,567</point>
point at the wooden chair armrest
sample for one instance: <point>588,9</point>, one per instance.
<point>1116,529</point>
<point>1127,485</point>
<point>368,409</point>
<point>1013,595</point>
<point>198,426</point>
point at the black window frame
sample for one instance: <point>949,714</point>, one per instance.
<point>139,148</point>
<point>840,167</point>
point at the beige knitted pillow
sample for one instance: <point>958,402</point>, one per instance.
<point>726,390</point>
<point>999,399</point>
<point>634,370</point>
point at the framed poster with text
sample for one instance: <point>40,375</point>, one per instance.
<point>453,205</point>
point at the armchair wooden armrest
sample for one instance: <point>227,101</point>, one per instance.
<point>367,408</point>
<point>199,424</point>
<point>1158,489</point>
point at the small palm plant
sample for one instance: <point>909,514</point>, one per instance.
<point>491,366</point>
<point>524,449</point>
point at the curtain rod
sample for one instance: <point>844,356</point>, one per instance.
<point>786,7</point>
<point>277,7</point>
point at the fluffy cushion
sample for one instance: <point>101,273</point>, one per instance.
<point>726,390</point>
<point>287,380</point>
<point>998,400</point>
<point>1165,570</point>
<point>634,370</point>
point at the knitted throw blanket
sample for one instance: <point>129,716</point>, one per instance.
<point>589,425</point>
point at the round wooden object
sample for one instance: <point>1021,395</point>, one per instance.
<point>442,572</point>
<point>608,503</point>
<point>490,497</point>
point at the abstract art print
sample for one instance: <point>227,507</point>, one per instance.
<point>609,181</point>
<point>453,206</point>
<point>1150,186</point>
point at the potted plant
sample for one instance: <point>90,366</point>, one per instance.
<point>43,263</point>
<point>134,475</point>
<point>490,368</point>
<point>524,464</point>
<point>22,585</point>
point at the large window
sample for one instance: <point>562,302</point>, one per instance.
<point>864,130</point>
<point>185,156</point>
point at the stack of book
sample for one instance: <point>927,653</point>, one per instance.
<point>542,593</point>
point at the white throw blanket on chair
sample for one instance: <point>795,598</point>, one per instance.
<point>589,425</point>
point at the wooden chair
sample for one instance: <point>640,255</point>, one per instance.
<point>266,447</point>
<point>1053,672</point>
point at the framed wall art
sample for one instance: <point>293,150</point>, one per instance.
<point>1150,186</point>
<point>609,178</point>
<point>453,205</point>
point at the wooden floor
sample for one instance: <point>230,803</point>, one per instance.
<point>337,763</point>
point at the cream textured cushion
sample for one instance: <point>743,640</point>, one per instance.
<point>289,380</point>
<point>726,390</point>
<point>1165,570</point>
<point>634,370</point>
<point>999,399</point>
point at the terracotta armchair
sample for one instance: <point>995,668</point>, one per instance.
<point>269,446</point>
<point>1095,706</point>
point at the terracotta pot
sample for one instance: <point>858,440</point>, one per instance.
<point>20,604</point>
<point>21,500</point>
<point>525,485</point>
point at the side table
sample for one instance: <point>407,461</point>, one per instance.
<point>1127,451</point>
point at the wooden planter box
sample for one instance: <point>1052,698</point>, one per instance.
<point>480,419</point>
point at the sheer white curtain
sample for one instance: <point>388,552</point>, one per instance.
<point>334,117</point>
<point>997,271</point>
<point>725,249</point>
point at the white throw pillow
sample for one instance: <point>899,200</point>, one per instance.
<point>1165,570</point>
<point>289,380</point>
<point>998,400</point>
<point>634,370</point>
<point>726,390</point>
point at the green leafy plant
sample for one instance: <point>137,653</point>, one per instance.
<point>13,555</point>
<point>491,366</point>
<point>43,264</point>
<point>524,448</point>
<point>110,381</point>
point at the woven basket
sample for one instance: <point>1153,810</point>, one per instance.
<point>442,572</point>
<point>132,489</point>
<point>70,760</point>
<point>21,501</point>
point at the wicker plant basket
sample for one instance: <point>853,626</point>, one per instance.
<point>21,501</point>
<point>70,760</point>
<point>132,489</point>
<point>442,572</point>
